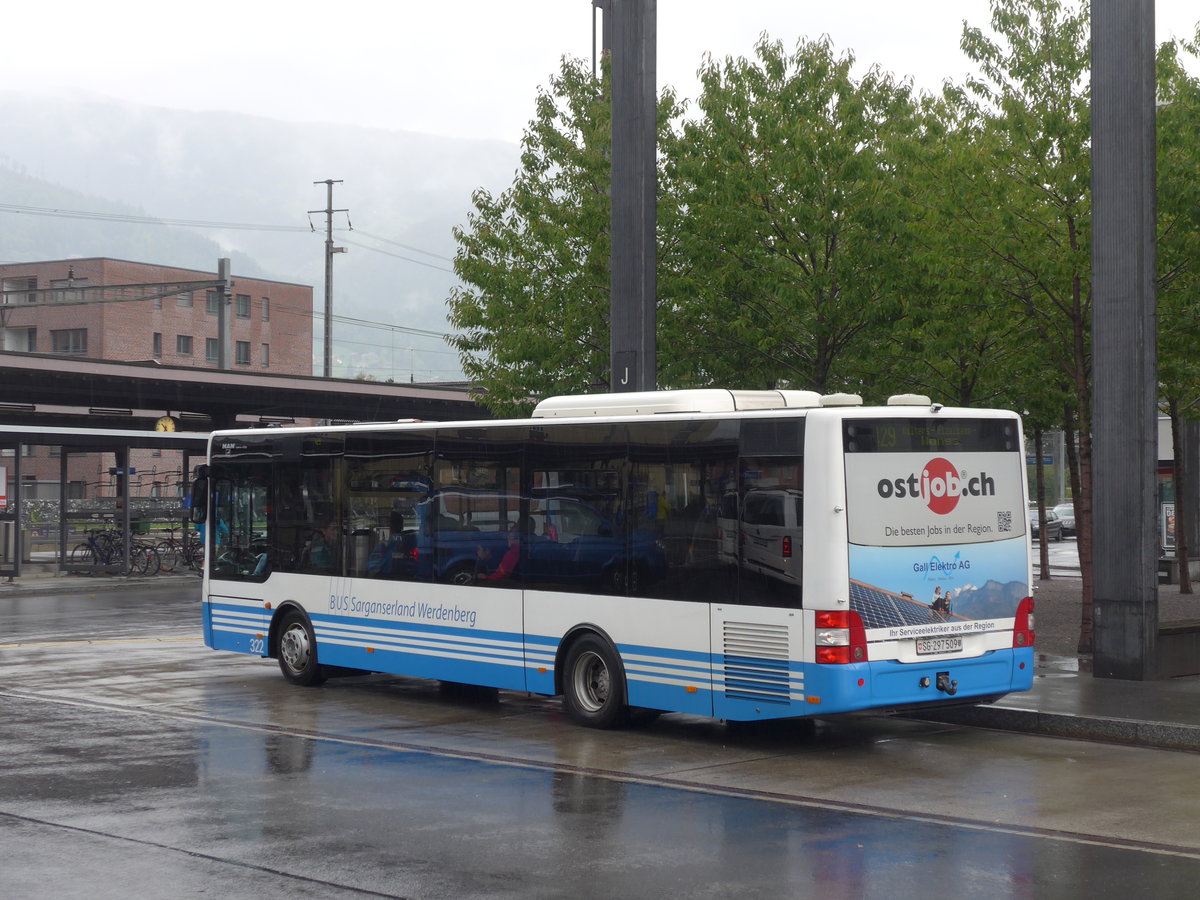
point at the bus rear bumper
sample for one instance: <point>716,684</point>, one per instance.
<point>886,685</point>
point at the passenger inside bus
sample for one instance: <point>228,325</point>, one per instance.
<point>512,556</point>
<point>385,559</point>
<point>320,552</point>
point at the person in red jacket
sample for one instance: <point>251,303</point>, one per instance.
<point>508,562</point>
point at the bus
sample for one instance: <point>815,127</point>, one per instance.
<point>742,555</point>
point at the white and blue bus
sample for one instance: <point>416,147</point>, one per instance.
<point>744,555</point>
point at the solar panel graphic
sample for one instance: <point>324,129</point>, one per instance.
<point>884,609</point>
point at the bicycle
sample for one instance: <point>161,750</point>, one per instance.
<point>106,550</point>
<point>177,553</point>
<point>101,549</point>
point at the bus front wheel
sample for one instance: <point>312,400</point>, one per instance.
<point>298,652</point>
<point>594,687</point>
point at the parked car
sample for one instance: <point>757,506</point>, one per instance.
<point>1066,512</point>
<point>1054,526</point>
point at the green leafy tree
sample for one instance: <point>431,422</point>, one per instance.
<point>1033,98</point>
<point>795,218</point>
<point>959,341</point>
<point>1178,262</point>
<point>533,312</point>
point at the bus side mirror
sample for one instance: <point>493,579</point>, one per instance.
<point>199,497</point>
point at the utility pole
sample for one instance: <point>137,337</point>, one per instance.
<point>224,298</point>
<point>329,251</point>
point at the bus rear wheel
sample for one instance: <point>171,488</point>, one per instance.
<point>298,652</point>
<point>594,686</point>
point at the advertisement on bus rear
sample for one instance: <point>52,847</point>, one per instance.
<point>936,538</point>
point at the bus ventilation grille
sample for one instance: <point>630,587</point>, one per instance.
<point>756,662</point>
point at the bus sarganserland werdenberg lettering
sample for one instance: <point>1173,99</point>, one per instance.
<point>741,555</point>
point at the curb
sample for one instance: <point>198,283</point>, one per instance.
<point>91,584</point>
<point>1131,732</point>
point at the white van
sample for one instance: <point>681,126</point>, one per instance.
<point>771,533</point>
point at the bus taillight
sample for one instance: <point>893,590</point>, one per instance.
<point>787,545</point>
<point>840,637</point>
<point>1023,627</point>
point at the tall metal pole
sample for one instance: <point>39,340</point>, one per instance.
<point>634,194</point>
<point>1124,336</point>
<point>329,251</point>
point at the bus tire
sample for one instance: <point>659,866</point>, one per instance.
<point>594,684</point>
<point>298,651</point>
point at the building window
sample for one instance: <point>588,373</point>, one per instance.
<point>266,309</point>
<point>183,344</point>
<point>243,306</point>
<point>158,302</point>
<point>212,350</point>
<point>69,340</point>
<point>185,299</point>
<point>18,340</point>
<point>266,355</point>
<point>242,353</point>
<point>55,451</point>
<point>14,290</point>
<point>156,348</point>
<point>212,301</point>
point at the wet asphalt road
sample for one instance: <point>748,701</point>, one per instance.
<point>138,763</point>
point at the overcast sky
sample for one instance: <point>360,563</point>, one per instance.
<point>466,68</point>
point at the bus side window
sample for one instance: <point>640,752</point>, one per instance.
<point>770,531</point>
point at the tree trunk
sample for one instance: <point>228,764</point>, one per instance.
<point>1043,544</point>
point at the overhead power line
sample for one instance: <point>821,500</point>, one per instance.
<point>416,262</point>
<point>130,219</point>
<point>142,220</point>
<point>376,237</point>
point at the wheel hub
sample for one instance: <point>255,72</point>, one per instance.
<point>593,680</point>
<point>294,648</point>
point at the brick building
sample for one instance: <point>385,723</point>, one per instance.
<point>112,309</point>
<point>58,307</point>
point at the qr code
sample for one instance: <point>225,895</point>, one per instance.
<point>1004,520</point>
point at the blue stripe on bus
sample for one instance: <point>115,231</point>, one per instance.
<point>733,687</point>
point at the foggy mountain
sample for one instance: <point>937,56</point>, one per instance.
<point>403,192</point>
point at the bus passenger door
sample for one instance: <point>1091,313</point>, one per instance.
<point>237,617</point>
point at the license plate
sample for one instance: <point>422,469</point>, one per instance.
<point>926,646</point>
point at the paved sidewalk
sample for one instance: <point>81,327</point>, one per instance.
<point>1066,700</point>
<point>1074,704</point>
<point>90,584</point>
